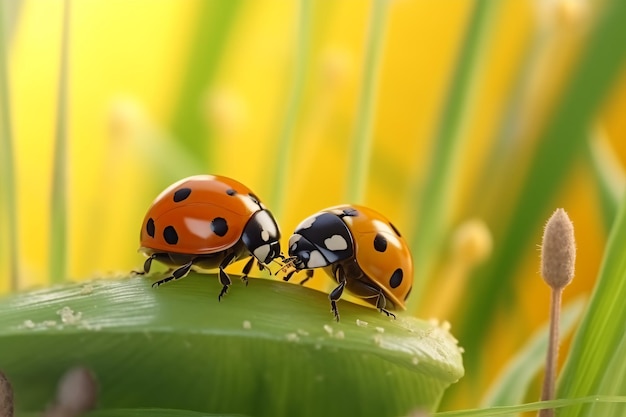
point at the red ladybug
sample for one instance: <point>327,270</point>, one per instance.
<point>207,222</point>
<point>360,249</point>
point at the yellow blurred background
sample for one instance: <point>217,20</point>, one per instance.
<point>159,90</point>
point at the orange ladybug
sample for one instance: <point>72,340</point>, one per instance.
<point>207,222</point>
<point>360,249</point>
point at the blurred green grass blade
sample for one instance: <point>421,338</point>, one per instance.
<point>433,199</point>
<point>268,349</point>
<point>8,197</point>
<point>608,175</point>
<point>613,383</point>
<point>294,103</point>
<point>509,410</point>
<point>512,385</point>
<point>362,137</point>
<point>12,10</point>
<point>214,24</point>
<point>598,345</point>
<point>559,145</point>
<point>58,211</point>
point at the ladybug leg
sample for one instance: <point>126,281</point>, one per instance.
<point>224,278</point>
<point>289,275</point>
<point>246,270</point>
<point>335,295</point>
<point>178,273</point>
<point>146,265</point>
<point>365,290</point>
<point>381,302</point>
<point>309,275</point>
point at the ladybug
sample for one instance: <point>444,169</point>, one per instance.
<point>208,222</point>
<point>360,249</point>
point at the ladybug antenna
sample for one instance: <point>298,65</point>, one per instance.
<point>279,262</point>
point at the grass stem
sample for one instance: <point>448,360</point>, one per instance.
<point>58,221</point>
<point>432,201</point>
<point>7,167</point>
<point>294,102</point>
<point>362,139</point>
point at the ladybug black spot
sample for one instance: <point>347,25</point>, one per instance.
<point>406,297</point>
<point>150,227</point>
<point>396,278</point>
<point>380,243</point>
<point>181,194</point>
<point>231,192</point>
<point>395,230</point>
<point>170,235</point>
<point>219,226</point>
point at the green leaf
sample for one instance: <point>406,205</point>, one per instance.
<point>270,349</point>
<point>154,412</point>
<point>144,412</point>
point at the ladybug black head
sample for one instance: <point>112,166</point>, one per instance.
<point>320,240</point>
<point>261,236</point>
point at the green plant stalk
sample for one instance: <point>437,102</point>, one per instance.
<point>58,213</point>
<point>267,349</point>
<point>294,103</point>
<point>549,380</point>
<point>559,145</point>
<point>362,138</point>
<point>599,340</point>
<point>214,25</point>
<point>7,167</point>
<point>432,203</point>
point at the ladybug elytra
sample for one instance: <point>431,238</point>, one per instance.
<point>360,249</point>
<point>208,222</point>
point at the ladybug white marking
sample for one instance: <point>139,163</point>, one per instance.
<point>265,235</point>
<point>261,252</point>
<point>316,260</point>
<point>307,223</point>
<point>336,242</point>
<point>293,240</point>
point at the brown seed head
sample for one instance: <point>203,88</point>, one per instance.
<point>558,250</point>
